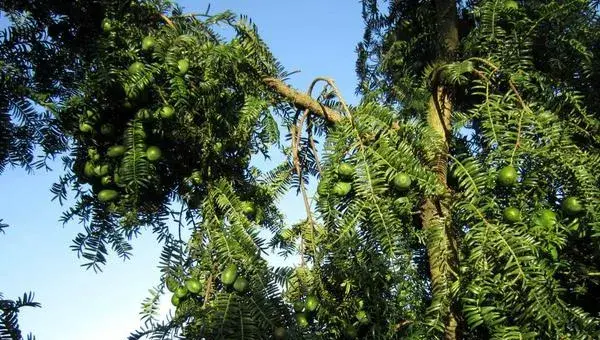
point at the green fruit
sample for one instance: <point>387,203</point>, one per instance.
<point>107,195</point>
<point>312,303</point>
<point>362,317</point>
<point>181,292</point>
<point>136,67</point>
<point>116,151</point>
<point>322,188</point>
<point>512,215</point>
<point>106,180</point>
<point>342,188</point>
<point>298,306</point>
<point>196,177</point>
<point>101,170</point>
<point>117,177</point>
<point>229,274</point>
<point>171,284</point>
<point>218,147</point>
<point>88,169</point>
<point>511,4</point>
<point>193,285</point>
<point>106,25</point>
<point>572,206</point>
<point>183,66</point>
<point>167,112</point>
<point>175,300</point>
<point>106,129</point>
<point>240,284</point>
<point>153,153</point>
<point>85,127</point>
<point>93,154</point>
<point>248,208</point>
<point>507,176</point>
<point>546,218</point>
<point>345,170</point>
<point>302,320</point>
<point>143,114</point>
<point>90,114</point>
<point>148,43</point>
<point>402,182</point>
<point>280,333</point>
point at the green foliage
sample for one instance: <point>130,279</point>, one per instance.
<point>172,112</point>
<point>9,311</point>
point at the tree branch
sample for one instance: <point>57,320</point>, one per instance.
<point>303,100</point>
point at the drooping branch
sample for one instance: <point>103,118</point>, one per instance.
<point>303,100</point>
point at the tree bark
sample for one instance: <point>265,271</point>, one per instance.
<point>441,240</point>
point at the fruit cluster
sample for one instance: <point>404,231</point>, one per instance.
<point>191,287</point>
<point>401,182</point>
<point>508,176</point>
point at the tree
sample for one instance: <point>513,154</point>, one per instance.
<point>458,200</point>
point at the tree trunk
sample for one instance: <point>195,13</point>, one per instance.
<point>435,215</point>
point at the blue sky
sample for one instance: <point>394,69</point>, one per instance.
<point>316,37</point>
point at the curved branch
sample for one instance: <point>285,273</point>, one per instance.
<point>303,100</point>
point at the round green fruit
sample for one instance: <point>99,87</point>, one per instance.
<point>196,177</point>
<point>107,195</point>
<point>116,151</point>
<point>181,292</point>
<point>229,275</point>
<point>511,4</point>
<point>512,215</point>
<point>171,284</point>
<point>240,284</point>
<point>153,153</point>
<point>345,170</point>
<point>106,25</point>
<point>183,66</point>
<point>193,286</point>
<point>93,154</point>
<point>298,306</point>
<point>175,300</point>
<point>143,114</point>
<point>312,303</point>
<point>88,169</point>
<point>322,188</point>
<point>546,218</point>
<point>301,320</point>
<point>136,67</point>
<point>248,208</point>
<point>101,170</point>
<point>148,43</point>
<point>117,177</point>
<point>106,180</point>
<point>218,147</point>
<point>572,206</point>
<point>85,128</point>
<point>342,188</point>
<point>507,176</point>
<point>280,333</point>
<point>167,112</point>
<point>402,182</point>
